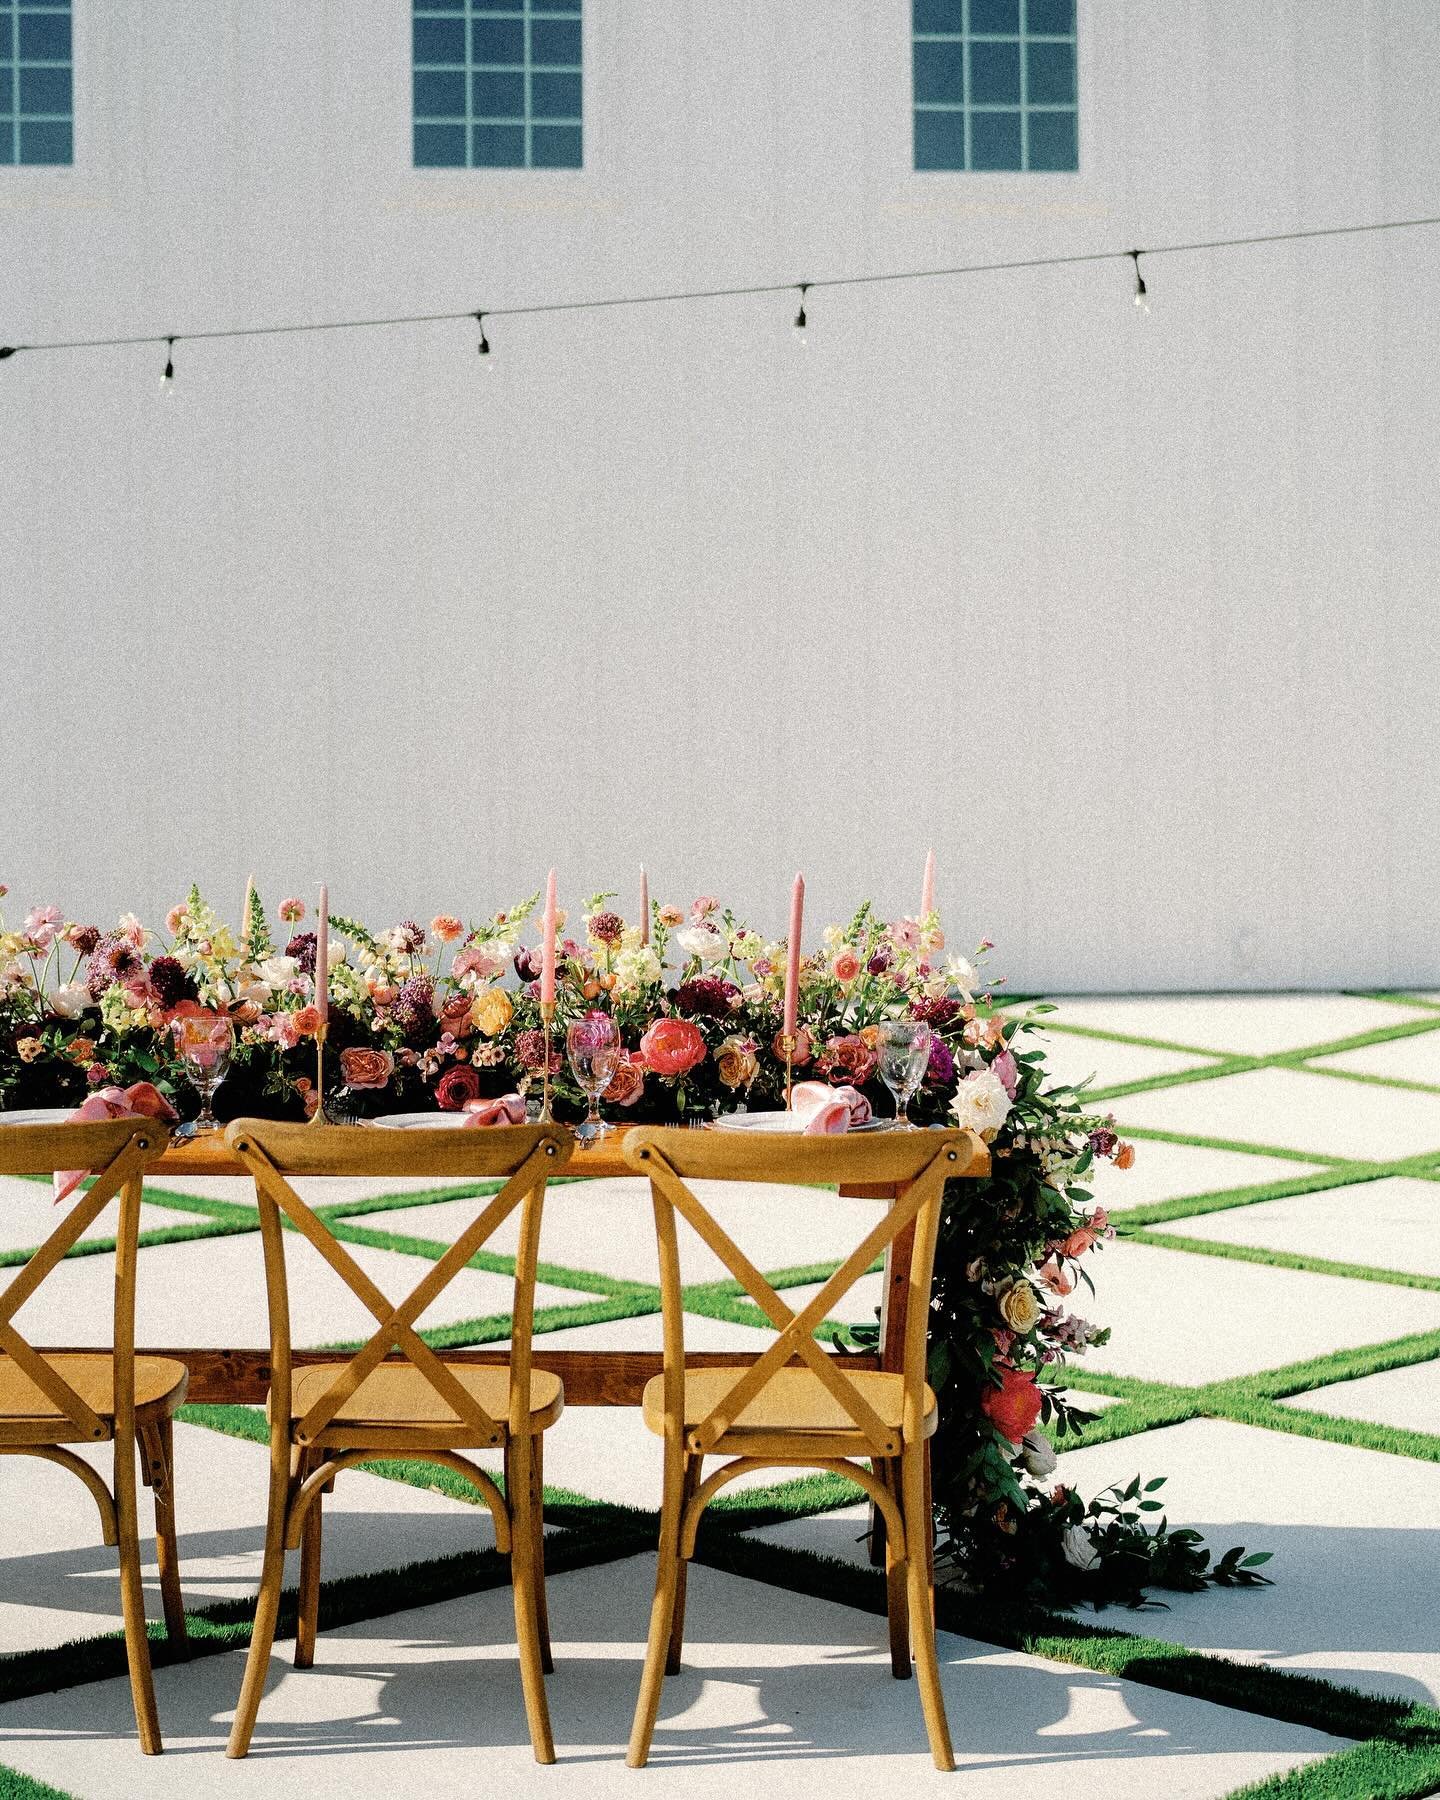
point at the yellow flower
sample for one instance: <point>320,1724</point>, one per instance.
<point>29,1048</point>
<point>491,1011</point>
<point>1019,1307</point>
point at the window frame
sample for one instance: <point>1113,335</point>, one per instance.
<point>467,13</point>
<point>968,108</point>
<point>14,65</point>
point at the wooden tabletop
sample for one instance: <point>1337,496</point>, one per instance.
<point>209,1155</point>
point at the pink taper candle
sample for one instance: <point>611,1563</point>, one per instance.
<point>322,956</point>
<point>547,955</point>
<point>644,906</point>
<point>927,891</point>
<point>792,955</point>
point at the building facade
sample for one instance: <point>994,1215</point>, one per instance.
<point>1131,614</point>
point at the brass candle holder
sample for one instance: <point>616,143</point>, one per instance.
<point>547,1020</point>
<point>789,1044</point>
<point>320,1116</point>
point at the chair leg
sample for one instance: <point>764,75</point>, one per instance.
<point>897,1605</point>
<point>157,1447</point>
<point>525,1577</point>
<point>267,1608</point>
<point>132,1598</point>
<point>922,1621</point>
<point>662,1610</point>
<point>537,1515</point>
<point>308,1607</point>
<point>693,1467</point>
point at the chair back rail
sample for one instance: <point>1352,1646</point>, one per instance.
<point>915,1166</point>
<point>523,1156</point>
<point>118,1151</point>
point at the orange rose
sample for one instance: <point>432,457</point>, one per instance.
<point>366,1068</point>
<point>307,1020</point>
<point>736,1063</point>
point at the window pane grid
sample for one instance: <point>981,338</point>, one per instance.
<point>36,82</point>
<point>513,97</point>
<point>995,85</point>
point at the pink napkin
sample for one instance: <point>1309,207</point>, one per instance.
<point>509,1109</point>
<point>826,1111</point>
<point>141,1100</point>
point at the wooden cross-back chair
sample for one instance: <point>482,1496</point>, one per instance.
<point>50,1400</point>
<point>396,1396</point>
<point>796,1404</point>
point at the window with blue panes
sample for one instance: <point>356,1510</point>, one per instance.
<point>37,117</point>
<point>995,84</point>
<point>497,84</point>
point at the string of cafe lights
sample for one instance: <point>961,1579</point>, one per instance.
<point>801,288</point>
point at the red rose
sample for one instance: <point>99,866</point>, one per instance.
<point>458,1084</point>
<point>1014,1406</point>
<point>672,1046</point>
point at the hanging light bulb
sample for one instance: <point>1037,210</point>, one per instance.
<point>167,380</point>
<point>800,337</point>
<point>1141,291</point>
<point>482,349</point>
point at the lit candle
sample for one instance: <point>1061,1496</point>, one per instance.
<point>547,962</point>
<point>644,906</point>
<point>927,890</point>
<point>245,914</point>
<point>792,957</point>
<point>322,957</point>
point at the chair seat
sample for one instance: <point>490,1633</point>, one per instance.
<point>396,1402</point>
<point>25,1411</point>
<point>793,1403</point>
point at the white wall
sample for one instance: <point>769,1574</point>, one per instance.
<point>1133,617</point>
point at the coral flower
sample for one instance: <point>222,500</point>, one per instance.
<point>846,967</point>
<point>446,927</point>
<point>1014,1406</point>
<point>672,1046</point>
<point>307,1020</point>
<point>1125,1156</point>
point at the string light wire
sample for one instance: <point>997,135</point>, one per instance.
<point>726,293</point>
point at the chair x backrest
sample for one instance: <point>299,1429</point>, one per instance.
<point>119,1151</point>
<point>525,1155</point>
<point>915,1165</point>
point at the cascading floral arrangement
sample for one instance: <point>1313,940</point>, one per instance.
<point>445,1015</point>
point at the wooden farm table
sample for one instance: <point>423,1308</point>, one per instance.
<point>596,1377</point>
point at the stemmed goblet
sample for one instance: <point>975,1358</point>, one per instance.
<point>904,1046</point>
<point>204,1042</point>
<point>593,1045</point>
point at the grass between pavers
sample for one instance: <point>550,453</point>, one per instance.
<point>15,1786</point>
<point>1283,1259</point>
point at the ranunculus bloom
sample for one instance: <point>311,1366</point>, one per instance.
<point>445,927</point>
<point>1078,1242</point>
<point>307,1020</point>
<point>1125,1156</point>
<point>455,1016</point>
<point>366,1068</point>
<point>1014,1406</point>
<point>671,916</point>
<point>672,1046</point>
<point>458,1084</point>
<point>43,924</point>
<point>845,967</point>
<point>703,905</point>
<point>492,1011</point>
<point>291,911</point>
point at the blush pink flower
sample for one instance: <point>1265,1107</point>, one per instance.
<point>905,933</point>
<point>481,960</point>
<point>292,911</point>
<point>44,923</point>
<point>845,967</point>
<point>1006,1067</point>
<point>703,905</point>
<point>672,1047</point>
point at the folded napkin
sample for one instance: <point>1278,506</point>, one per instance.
<point>141,1100</point>
<point>509,1109</point>
<point>825,1111</point>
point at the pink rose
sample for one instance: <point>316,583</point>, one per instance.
<point>366,1068</point>
<point>672,1046</point>
<point>628,1082</point>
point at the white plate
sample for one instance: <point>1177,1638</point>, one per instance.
<point>39,1115</point>
<point>783,1121</point>
<point>421,1121</point>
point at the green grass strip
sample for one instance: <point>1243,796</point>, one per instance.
<point>1195,1141</point>
<point>1144,1084</point>
<point>15,1786</point>
<point>1285,1259</point>
<point>1102,1036</point>
<point>148,1240</point>
<point>490,1262</point>
<point>1187,1206</point>
<point>1380,1769</point>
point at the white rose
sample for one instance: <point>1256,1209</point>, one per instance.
<point>1079,1548</point>
<point>276,971</point>
<point>704,940</point>
<point>1037,1453</point>
<point>71,1000</point>
<point>981,1103</point>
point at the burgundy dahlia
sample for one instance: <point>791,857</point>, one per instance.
<point>302,948</point>
<point>880,961</point>
<point>939,1013</point>
<point>171,982</point>
<point>607,928</point>
<point>706,997</point>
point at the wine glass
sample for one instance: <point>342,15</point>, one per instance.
<point>204,1042</point>
<point>593,1045</point>
<point>904,1046</point>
